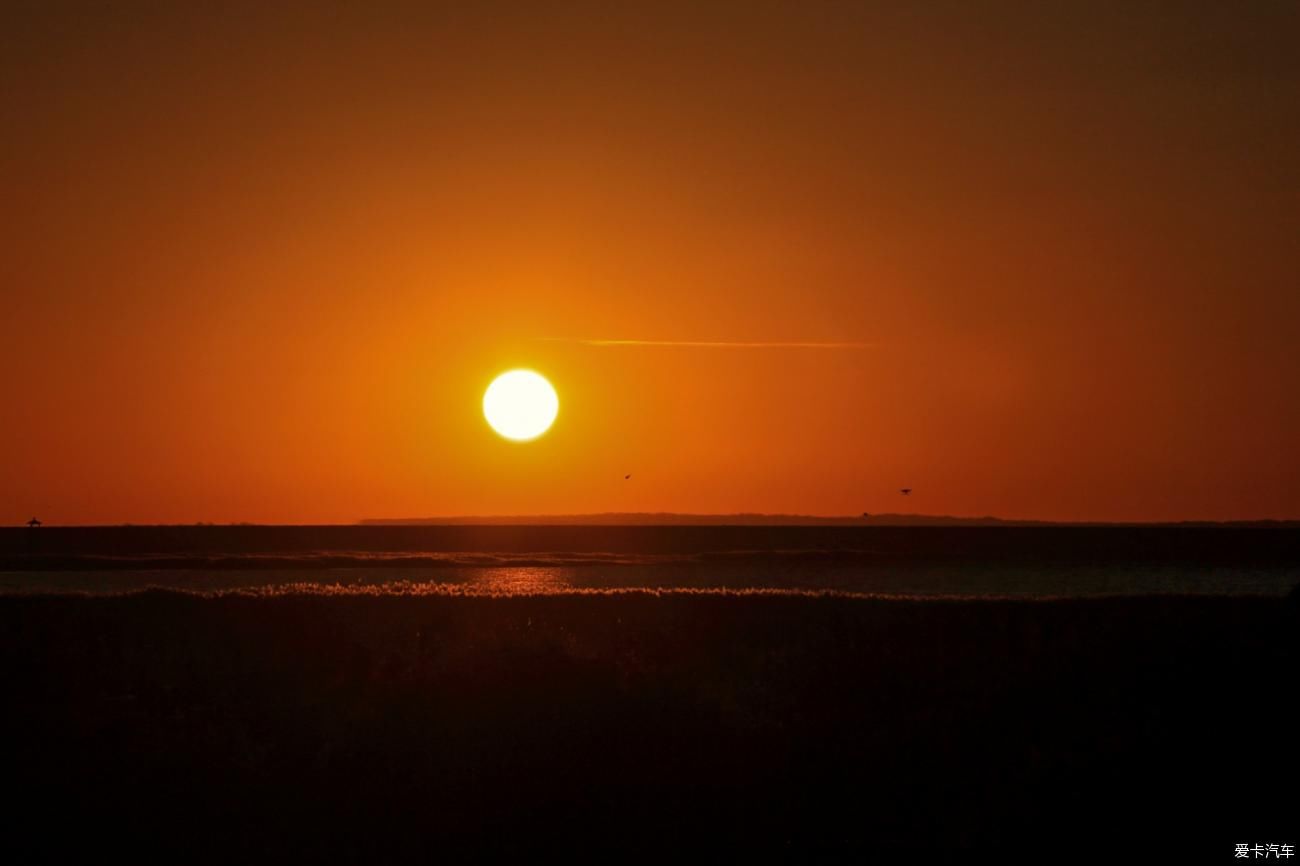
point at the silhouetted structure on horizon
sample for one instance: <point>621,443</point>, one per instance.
<point>33,523</point>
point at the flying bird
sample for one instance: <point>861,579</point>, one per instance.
<point>627,476</point>
<point>906,491</point>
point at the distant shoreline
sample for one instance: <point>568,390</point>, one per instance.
<point>751,519</point>
<point>671,519</point>
<point>959,541</point>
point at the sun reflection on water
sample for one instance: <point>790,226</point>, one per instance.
<point>522,580</point>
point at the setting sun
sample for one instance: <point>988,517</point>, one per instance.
<point>520,405</point>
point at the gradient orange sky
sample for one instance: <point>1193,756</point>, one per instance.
<point>260,265</point>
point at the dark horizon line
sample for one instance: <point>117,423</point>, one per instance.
<point>746,518</point>
<point>670,518</point>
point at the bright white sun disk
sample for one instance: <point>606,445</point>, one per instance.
<point>520,405</point>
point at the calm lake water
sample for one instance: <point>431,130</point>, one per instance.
<point>925,581</point>
<point>908,561</point>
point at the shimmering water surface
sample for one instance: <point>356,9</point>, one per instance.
<point>912,581</point>
<point>911,561</point>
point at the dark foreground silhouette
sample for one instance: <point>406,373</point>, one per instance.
<point>373,729</point>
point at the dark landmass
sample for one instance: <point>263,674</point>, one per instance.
<point>630,726</point>
<point>635,518</point>
<point>106,547</point>
<point>663,518</point>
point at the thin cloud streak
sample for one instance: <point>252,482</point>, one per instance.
<point>720,344</point>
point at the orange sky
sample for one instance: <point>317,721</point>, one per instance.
<point>261,266</point>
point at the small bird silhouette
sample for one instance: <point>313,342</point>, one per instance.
<point>627,476</point>
<point>906,491</point>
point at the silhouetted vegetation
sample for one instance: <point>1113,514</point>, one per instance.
<point>304,728</point>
